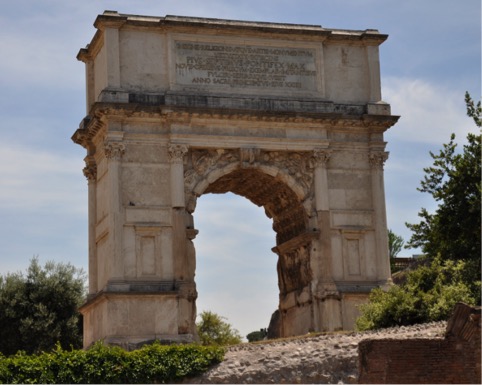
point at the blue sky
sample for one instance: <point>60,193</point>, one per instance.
<point>431,58</point>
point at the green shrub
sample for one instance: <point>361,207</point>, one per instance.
<point>429,293</point>
<point>213,330</point>
<point>154,363</point>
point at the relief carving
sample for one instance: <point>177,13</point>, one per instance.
<point>294,271</point>
<point>249,156</point>
<point>90,170</point>
<point>298,165</point>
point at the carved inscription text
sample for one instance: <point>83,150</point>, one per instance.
<point>237,66</point>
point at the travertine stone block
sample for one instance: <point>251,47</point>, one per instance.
<point>288,116</point>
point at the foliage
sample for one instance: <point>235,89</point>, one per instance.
<point>395,243</point>
<point>429,293</point>
<point>257,335</point>
<point>213,330</point>
<point>39,309</point>
<point>454,230</point>
<point>151,364</point>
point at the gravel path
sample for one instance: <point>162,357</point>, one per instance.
<point>329,358</point>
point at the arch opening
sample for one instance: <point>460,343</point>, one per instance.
<point>280,203</point>
<point>236,274</point>
<point>290,224</point>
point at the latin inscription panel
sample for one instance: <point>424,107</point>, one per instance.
<point>245,66</point>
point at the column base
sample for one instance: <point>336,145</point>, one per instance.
<point>132,319</point>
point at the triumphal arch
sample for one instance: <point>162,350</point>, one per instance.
<point>288,116</point>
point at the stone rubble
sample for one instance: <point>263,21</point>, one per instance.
<point>328,358</point>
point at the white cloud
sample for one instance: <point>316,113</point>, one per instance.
<point>33,179</point>
<point>429,113</point>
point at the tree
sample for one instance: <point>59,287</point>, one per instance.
<point>454,230</point>
<point>39,309</point>
<point>257,335</point>
<point>213,330</point>
<point>395,244</point>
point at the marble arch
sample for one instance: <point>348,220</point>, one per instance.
<point>288,116</point>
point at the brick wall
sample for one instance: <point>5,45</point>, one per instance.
<point>455,359</point>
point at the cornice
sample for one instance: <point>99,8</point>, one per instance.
<point>90,51</point>
<point>184,24</point>
<point>101,112</point>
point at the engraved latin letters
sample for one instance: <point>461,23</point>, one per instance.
<point>245,66</point>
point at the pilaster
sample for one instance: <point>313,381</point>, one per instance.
<point>111,42</point>
<point>114,150</point>
<point>90,172</point>
<point>176,154</point>
<point>377,160</point>
<point>326,307</point>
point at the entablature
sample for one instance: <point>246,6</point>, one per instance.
<point>172,110</point>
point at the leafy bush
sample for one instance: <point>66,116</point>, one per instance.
<point>213,330</point>
<point>154,363</point>
<point>257,335</point>
<point>39,308</point>
<point>429,293</point>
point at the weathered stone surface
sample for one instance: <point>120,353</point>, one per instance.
<point>325,359</point>
<point>288,116</point>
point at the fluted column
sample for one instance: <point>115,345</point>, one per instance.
<point>179,240</point>
<point>322,204</point>
<point>176,154</point>
<point>328,307</point>
<point>377,160</point>
<point>113,152</point>
<point>90,172</point>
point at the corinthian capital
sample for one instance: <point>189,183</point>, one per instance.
<point>321,156</point>
<point>377,159</point>
<point>114,150</point>
<point>176,152</point>
<point>90,170</point>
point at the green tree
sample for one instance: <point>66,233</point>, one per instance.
<point>453,231</point>
<point>39,308</point>
<point>395,244</point>
<point>257,335</point>
<point>213,330</point>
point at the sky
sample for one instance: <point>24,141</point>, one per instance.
<point>432,56</point>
